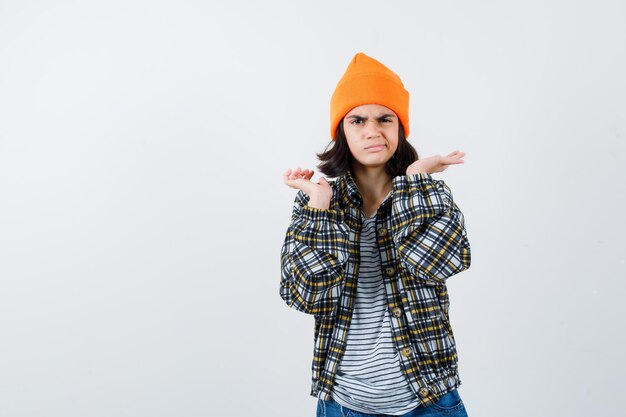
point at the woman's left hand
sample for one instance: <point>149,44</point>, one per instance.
<point>435,163</point>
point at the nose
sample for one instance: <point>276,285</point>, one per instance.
<point>372,131</point>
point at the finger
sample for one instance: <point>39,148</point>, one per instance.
<point>287,178</point>
<point>288,181</point>
<point>296,173</point>
<point>456,157</point>
<point>452,162</point>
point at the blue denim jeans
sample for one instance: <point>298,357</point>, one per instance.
<point>450,405</point>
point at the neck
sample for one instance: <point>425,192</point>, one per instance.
<point>373,182</point>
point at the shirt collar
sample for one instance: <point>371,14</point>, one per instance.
<point>350,191</point>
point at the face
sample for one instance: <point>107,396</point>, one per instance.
<point>372,134</point>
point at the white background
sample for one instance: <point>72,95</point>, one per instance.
<point>142,208</point>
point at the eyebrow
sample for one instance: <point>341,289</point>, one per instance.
<point>356,116</point>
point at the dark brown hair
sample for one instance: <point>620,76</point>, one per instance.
<point>337,160</point>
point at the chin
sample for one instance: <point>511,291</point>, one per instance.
<point>371,163</point>
<point>377,158</point>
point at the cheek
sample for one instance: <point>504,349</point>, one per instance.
<point>394,146</point>
<point>354,150</point>
<point>351,142</point>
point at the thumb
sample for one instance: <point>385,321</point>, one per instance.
<point>323,181</point>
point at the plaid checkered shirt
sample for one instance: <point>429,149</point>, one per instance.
<point>422,241</point>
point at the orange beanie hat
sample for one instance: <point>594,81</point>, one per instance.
<point>367,81</point>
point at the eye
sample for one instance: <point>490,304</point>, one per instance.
<point>355,120</point>
<point>386,120</point>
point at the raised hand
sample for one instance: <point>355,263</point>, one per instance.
<point>435,163</point>
<point>319,193</point>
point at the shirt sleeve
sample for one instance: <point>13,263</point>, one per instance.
<point>428,228</point>
<point>313,258</point>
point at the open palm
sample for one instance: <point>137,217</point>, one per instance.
<point>436,163</point>
<point>319,194</point>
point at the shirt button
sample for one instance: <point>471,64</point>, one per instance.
<point>406,352</point>
<point>423,392</point>
<point>451,382</point>
<point>390,271</point>
<point>382,231</point>
<point>397,312</point>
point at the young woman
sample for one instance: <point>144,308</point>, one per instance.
<point>368,255</point>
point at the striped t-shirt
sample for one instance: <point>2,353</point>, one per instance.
<point>369,378</point>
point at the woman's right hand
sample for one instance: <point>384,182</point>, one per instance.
<point>319,194</point>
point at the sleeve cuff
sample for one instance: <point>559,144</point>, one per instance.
<point>404,182</point>
<point>317,214</point>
